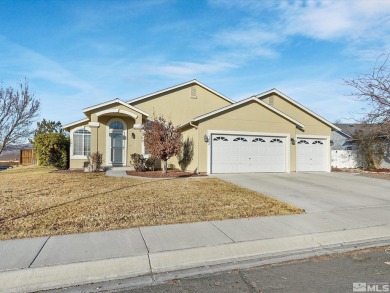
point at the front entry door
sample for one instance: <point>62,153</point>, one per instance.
<point>117,148</point>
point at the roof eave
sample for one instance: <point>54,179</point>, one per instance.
<point>112,102</point>
<point>297,123</point>
<point>178,86</point>
<point>67,126</point>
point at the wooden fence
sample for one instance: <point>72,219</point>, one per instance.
<point>27,157</point>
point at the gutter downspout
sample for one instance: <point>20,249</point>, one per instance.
<point>197,133</point>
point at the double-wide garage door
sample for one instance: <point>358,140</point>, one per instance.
<point>311,154</point>
<point>243,154</point>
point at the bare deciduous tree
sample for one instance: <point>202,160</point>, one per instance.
<point>374,89</point>
<point>18,108</point>
<point>371,145</point>
<point>162,140</point>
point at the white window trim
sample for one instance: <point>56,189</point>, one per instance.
<point>143,149</point>
<point>78,157</point>
<point>222,132</point>
<point>108,141</point>
<point>328,167</point>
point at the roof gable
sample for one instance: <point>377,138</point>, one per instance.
<point>242,102</point>
<point>114,102</point>
<point>194,81</point>
<point>298,105</point>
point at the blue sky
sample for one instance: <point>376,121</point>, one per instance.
<point>79,53</point>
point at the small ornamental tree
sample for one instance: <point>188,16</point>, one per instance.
<point>162,140</point>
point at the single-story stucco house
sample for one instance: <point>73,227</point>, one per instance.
<point>268,132</point>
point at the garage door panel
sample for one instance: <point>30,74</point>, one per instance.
<point>311,154</point>
<point>243,153</point>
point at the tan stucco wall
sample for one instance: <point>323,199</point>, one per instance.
<point>313,126</point>
<point>251,117</point>
<point>191,133</point>
<point>179,107</point>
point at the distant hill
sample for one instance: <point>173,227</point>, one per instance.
<point>12,152</point>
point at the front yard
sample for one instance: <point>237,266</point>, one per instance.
<point>36,202</point>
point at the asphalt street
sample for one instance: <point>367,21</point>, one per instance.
<point>336,273</point>
<point>365,270</point>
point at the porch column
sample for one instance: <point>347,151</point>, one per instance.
<point>138,135</point>
<point>94,125</point>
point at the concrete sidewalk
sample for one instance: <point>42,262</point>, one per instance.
<point>58,261</point>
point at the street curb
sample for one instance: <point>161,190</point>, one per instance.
<point>271,259</point>
<point>52,277</point>
<point>158,263</point>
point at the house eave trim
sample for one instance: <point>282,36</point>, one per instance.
<point>113,102</point>
<point>119,111</point>
<point>297,123</point>
<point>194,81</point>
<point>75,123</point>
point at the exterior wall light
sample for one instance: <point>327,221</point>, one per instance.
<point>206,138</point>
<point>293,141</point>
<point>331,142</point>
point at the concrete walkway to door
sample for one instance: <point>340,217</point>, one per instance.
<point>317,192</point>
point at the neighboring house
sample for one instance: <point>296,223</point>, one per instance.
<point>268,132</point>
<point>344,148</point>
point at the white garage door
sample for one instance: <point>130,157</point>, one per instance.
<point>243,154</point>
<point>311,154</point>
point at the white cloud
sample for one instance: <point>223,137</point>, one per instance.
<point>187,69</point>
<point>250,39</point>
<point>33,65</point>
<point>329,20</point>
<point>363,26</point>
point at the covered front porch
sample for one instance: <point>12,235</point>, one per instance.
<point>113,129</point>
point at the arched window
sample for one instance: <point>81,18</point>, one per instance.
<point>81,142</point>
<point>239,139</point>
<point>258,140</point>
<point>116,125</point>
<point>220,138</point>
<point>317,142</point>
<point>276,140</point>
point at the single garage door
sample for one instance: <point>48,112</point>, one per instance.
<point>244,154</point>
<point>311,154</point>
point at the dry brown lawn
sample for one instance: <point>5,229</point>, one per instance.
<point>35,202</point>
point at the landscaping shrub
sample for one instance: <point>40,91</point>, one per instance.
<point>149,163</point>
<point>138,162</point>
<point>52,149</point>
<point>95,161</point>
<point>186,154</point>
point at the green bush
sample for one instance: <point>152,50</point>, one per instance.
<point>52,149</point>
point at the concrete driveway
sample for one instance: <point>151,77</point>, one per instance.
<point>316,192</point>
